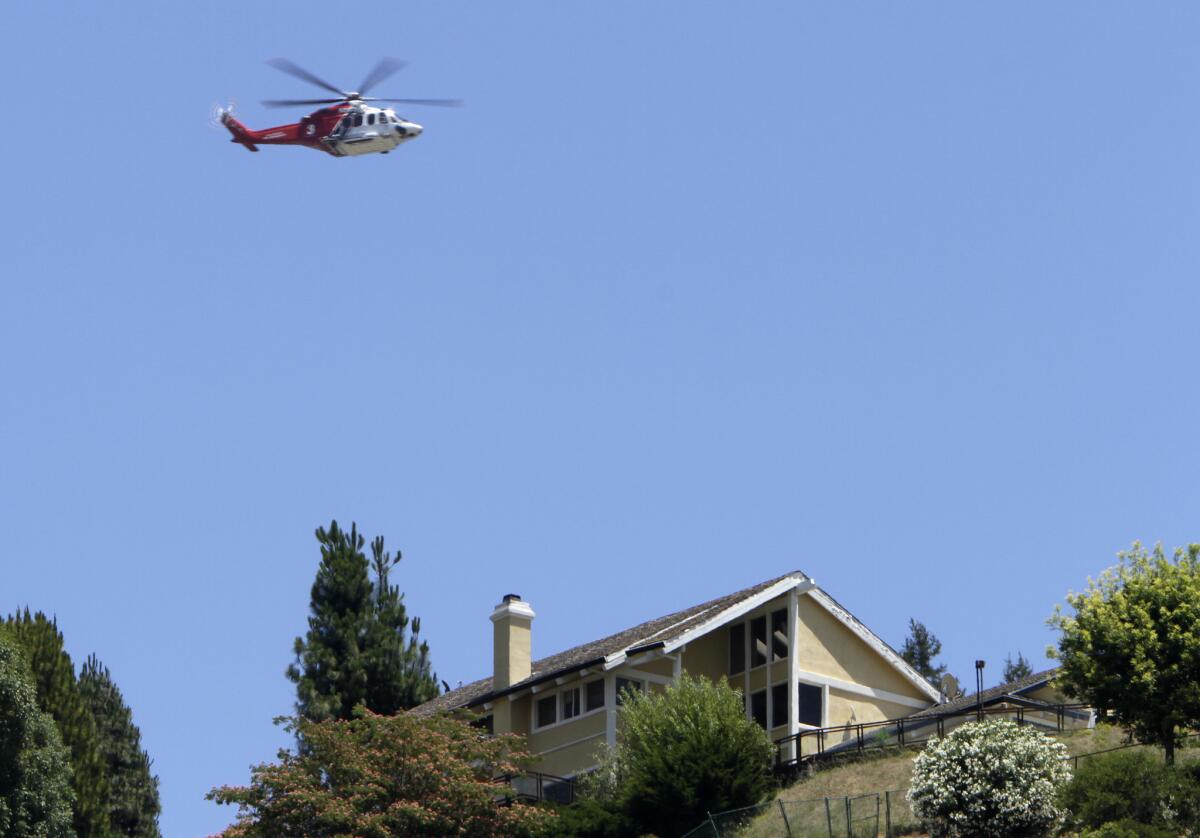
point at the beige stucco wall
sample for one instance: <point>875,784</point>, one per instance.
<point>561,734</point>
<point>569,761</point>
<point>709,656</point>
<point>827,647</point>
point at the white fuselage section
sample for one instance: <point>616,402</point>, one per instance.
<point>365,130</point>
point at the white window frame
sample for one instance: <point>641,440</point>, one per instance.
<point>559,721</point>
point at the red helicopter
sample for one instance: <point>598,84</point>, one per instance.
<point>348,127</point>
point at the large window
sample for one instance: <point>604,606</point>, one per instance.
<point>594,694</point>
<point>570,703</point>
<point>758,641</point>
<point>630,684</point>
<point>758,707</point>
<point>779,705</point>
<point>779,635</point>
<point>547,710</point>
<point>809,705</point>
<point>737,648</point>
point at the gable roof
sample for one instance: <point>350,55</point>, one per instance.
<point>992,694</point>
<point>667,633</point>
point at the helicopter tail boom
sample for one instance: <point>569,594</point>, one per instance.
<point>241,134</point>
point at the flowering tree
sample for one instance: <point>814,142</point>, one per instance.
<point>989,778</point>
<point>379,776</point>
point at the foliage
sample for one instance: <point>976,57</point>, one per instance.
<point>133,800</point>
<point>919,650</point>
<point>355,653</point>
<point>1133,645</point>
<point>35,768</point>
<point>592,818</point>
<point>1132,786</point>
<point>399,676</point>
<point>1128,829</point>
<point>684,752</point>
<point>58,694</point>
<point>989,778</point>
<point>377,776</point>
<point>1016,670</point>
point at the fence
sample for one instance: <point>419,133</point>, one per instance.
<point>535,787</point>
<point>793,751</point>
<point>866,816</point>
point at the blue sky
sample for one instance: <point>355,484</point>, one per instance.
<point>688,296</point>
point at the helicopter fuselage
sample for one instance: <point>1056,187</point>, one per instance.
<point>344,130</point>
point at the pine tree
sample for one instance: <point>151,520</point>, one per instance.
<point>399,675</point>
<point>329,671</point>
<point>355,652</point>
<point>58,694</point>
<point>133,802</point>
<point>1015,671</point>
<point>920,648</point>
<point>35,766</point>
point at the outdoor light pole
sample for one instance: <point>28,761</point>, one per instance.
<point>979,665</point>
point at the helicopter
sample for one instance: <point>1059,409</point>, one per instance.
<point>348,126</point>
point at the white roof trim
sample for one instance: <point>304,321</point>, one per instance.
<point>800,583</point>
<point>871,639</point>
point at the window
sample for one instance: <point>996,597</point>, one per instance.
<point>357,120</point>
<point>370,119</point>
<point>737,648</point>
<point>547,710</point>
<point>779,705</point>
<point>810,705</point>
<point>594,695</point>
<point>486,723</point>
<point>758,707</point>
<point>627,683</point>
<point>779,635</point>
<point>570,703</point>
<point>758,641</point>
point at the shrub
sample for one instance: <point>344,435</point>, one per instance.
<point>1133,787</point>
<point>1128,829</point>
<point>989,778</point>
<point>685,752</point>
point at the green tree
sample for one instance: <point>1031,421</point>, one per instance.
<point>1016,670</point>
<point>684,752</point>
<point>919,649</point>
<point>35,766</point>
<point>399,674</point>
<point>355,653</point>
<point>1133,645</point>
<point>133,800</point>
<point>58,694</point>
<point>380,776</point>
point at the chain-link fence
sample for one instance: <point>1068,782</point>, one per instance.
<point>866,816</point>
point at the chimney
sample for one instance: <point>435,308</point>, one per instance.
<point>511,645</point>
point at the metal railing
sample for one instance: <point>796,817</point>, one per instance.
<point>536,787</point>
<point>793,751</point>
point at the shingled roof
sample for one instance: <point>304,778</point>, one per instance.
<point>992,695</point>
<point>647,635</point>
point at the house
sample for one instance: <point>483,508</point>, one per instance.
<point>1035,698</point>
<point>803,660</point>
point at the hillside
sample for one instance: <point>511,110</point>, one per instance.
<point>864,781</point>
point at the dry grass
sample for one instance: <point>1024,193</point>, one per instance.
<point>889,770</point>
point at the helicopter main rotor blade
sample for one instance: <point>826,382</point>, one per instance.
<point>441,103</point>
<point>299,72</point>
<point>384,69</point>
<point>287,103</point>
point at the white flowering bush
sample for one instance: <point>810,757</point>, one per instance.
<point>989,778</point>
